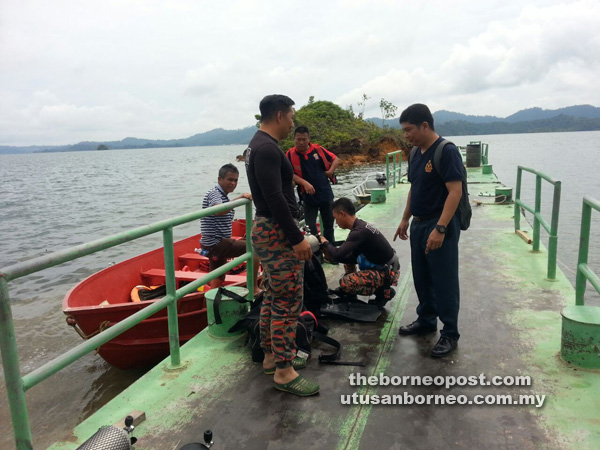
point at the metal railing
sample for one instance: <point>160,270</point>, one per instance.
<point>393,157</point>
<point>17,385</point>
<point>538,220</point>
<point>584,273</point>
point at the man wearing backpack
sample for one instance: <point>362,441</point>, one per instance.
<point>432,201</point>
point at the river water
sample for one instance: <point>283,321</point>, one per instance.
<point>52,201</point>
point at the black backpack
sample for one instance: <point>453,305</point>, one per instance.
<point>463,211</point>
<point>316,291</point>
<point>308,329</point>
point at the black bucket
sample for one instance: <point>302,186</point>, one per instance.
<point>474,155</point>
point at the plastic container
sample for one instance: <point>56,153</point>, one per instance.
<point>378,195</point>
<point>230,311</point>
<point>486,169</point>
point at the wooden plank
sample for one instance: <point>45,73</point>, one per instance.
<point>523,235</point>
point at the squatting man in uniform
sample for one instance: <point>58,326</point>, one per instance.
<point>367,247</point>
<point>279,244</point>
<point>434,232</point>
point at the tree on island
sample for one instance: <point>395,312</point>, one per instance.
<point>345,133</point>
<point>102,147</point>
<point>388,111</point>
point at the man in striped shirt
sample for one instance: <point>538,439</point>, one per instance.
<point>216,229</point>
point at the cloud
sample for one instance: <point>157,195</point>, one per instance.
<point>104,70</point>
<point>526,50</point>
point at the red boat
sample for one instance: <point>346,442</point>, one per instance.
<point>105,298</point>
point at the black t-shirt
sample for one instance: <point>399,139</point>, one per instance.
<point>270,177</point>
<point>428,190</point>
<point>364,239</point>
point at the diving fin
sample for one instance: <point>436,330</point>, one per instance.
<point>355,311</point>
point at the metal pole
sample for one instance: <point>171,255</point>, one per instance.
<point>172,306</point>
<point>50,368</point>
<point>250,262</point>
<point>536,219</point>
<point>517,198</point>
<point>12,373</point>
<point>553,241</point>
<point>584,242</point>
<point>394,160</point>
<point>387,173</point>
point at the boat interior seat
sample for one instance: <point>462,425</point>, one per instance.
<point>181,275</point>
<point>193,256</point>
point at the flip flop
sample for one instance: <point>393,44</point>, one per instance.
<point>297,363</point>
<point>299,386</point>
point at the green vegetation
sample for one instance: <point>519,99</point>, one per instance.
<point>102,147</point>
<point>387,111</point>
<point>335,128</point>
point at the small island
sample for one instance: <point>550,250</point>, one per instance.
<point>353,139</point>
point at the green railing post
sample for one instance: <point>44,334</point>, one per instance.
<point>17,385</point>
<point>536,216</point>
<point>518,198</point>
<point>394,161</point>
<point>396,172</point>
<point>250,262</point>
<point>584,243</point>
<point>12,374</point>
<point>387,172</point>
<point>173,321</point>
<point>553,240</point>
<point>538,220</point>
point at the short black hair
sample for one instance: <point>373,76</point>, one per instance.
<point>272,104</point>
<point>417,114</point>
<point>301,129</point>
<point>223,171</point>
<point>344,204</point>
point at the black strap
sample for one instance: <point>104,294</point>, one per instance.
<point>232,295</point>
<point>437,156</point>
<point>332,358</point>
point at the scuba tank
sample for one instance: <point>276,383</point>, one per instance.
<point>110,437</point>
<point>315,243</point>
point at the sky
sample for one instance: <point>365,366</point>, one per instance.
<point>105,70</point>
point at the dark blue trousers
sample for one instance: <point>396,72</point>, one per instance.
<point>310,218</point>
<point>436,276</point>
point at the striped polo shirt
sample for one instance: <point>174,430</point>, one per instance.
<point>215,228</point>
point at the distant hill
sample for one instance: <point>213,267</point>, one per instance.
<point>554,124</point>
<point>583,111</point>
<point>531,120</point>
<point>218,136</point>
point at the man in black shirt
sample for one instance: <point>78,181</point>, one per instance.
<point>280,245</point>
<point>434,232</point>
<point>367,247</point>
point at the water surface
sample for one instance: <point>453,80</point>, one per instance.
<point>51,201</point>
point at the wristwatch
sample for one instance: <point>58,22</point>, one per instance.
<point>440,229</point>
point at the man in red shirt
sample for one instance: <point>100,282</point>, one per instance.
<point>314,167</point>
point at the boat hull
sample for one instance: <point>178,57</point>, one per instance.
<point>104,299</point>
